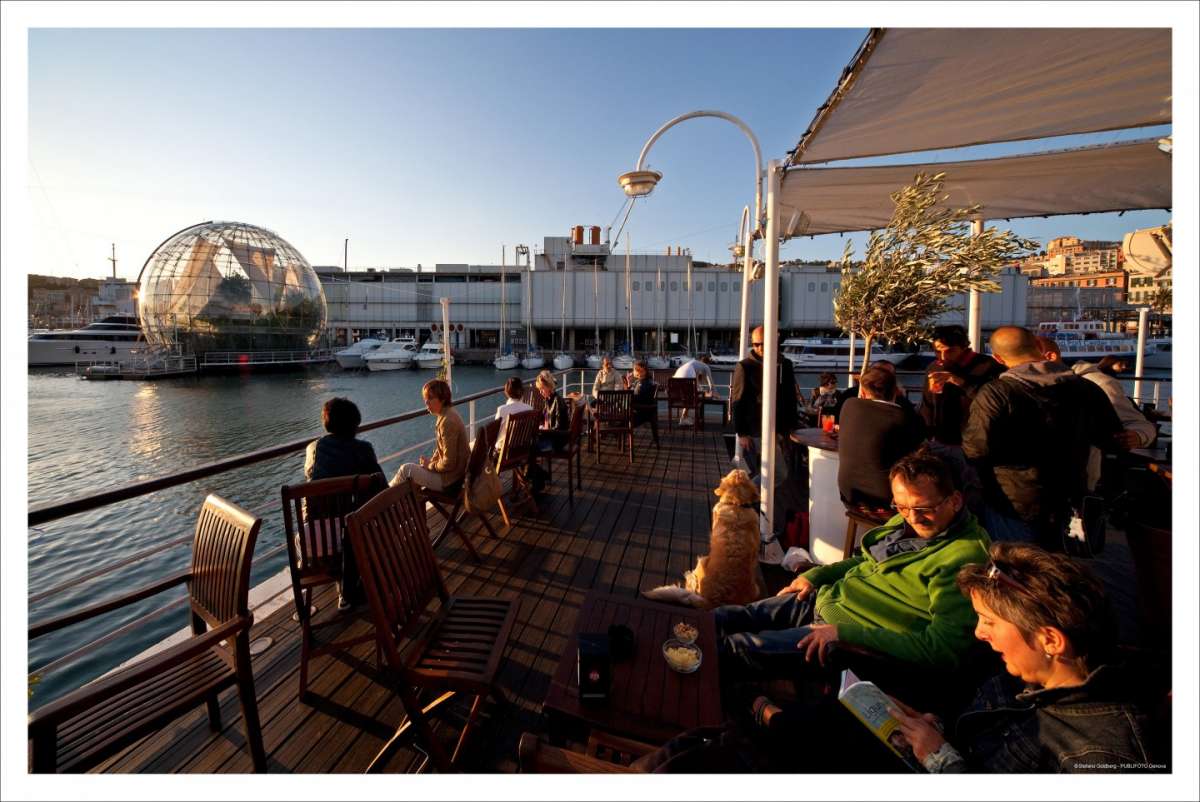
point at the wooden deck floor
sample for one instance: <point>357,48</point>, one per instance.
<point>630,528</point>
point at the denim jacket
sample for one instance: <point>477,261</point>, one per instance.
<point>1094,727</point>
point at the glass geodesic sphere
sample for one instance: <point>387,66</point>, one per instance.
<point>230,287</point>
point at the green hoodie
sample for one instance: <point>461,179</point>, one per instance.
<point>908,606</point>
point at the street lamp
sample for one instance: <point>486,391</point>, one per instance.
<point>641,182</point>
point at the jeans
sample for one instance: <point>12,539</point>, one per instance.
<point>1047,533</point>
<point>759,640</point>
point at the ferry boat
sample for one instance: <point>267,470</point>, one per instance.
<point>814,353</point>
<point>396,354</point>
<point>430,355</point>
<point>1088,340</point>
<point>352,358</point>
<point>115,338</point>
<point>1158,353</point>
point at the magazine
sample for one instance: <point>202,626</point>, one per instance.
<point>870,706</point>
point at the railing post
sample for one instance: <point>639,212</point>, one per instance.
<point>471,415</point>
<point>1157,385</point>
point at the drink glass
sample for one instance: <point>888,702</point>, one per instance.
<point>827,423</point>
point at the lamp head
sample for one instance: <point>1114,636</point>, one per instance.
<point>739,251</point>
<point>639,183</point>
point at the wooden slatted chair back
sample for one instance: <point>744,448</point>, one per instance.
<point>314,520</point>
<point>485,438</point>
<point>519,436</point>
<point>221,555</point>
<point>683,392</point>
<point>390,538</point>
<point>534,398</point>
<point>614,406</point>
<point>576,425</point>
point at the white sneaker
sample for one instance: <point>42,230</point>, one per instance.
<point>342,604</point>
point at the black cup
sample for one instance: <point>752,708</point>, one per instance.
<point>620,642</point>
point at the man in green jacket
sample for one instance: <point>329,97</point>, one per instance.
<point>897,596</point>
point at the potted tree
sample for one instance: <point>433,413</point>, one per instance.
<point>926,254</point>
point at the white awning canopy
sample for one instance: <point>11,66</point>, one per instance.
<point>1134,175</point>
<point>917,89</point>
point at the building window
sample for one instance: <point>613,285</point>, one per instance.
<point>712,286</point>
<point>724,287</point>
<point>737,287</point>
<point>674,286</point>
<point>637,285</point>
<point>825,288</point>
<point>812,286</point>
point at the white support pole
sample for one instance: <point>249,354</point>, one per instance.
<point>974,323</point>
<point>770,381</point>
<point>747,271</point>
<point>446,340</point>
<point>1139,363</point>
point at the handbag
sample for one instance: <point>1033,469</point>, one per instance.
<point>484,490</point>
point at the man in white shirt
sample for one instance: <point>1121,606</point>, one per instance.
<point>699,370</point>
<point>514,388</point>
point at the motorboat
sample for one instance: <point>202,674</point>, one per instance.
<point>563,361</point>
<point>823,353</point>
<point>533,358</point>
<point>397,354</point>
<point>594,361</point>
<point>1088,340</point>
<point>723,361</point>
<point>352,358</point>
<point>1158,353</point>
<point>431,355</point>
<point>678,359</point>
<point>116,338</point>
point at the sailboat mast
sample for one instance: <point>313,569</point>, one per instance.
<point>596,303</point>
<point>503,299</point>
<point>629,301</point>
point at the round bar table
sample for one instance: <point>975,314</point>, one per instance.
<point>826,513</point>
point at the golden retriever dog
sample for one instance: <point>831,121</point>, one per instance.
<point>729,573</point>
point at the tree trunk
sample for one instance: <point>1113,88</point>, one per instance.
<point>866,360</point>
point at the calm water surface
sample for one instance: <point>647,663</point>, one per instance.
<point>89,436</point>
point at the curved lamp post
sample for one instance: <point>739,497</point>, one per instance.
<point>641,182</point>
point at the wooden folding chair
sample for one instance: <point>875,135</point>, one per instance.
<point>451,501</point>
<point>614,418</point>
<point>314,525</point>
<point>78,731</point>
<point>457,649</point>
<point>520,434</point>
<point>571,453</point>
<point>684,394</point>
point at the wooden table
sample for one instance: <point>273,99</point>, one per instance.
<point>717,401</point>
<point>826,513</point>
<point>648,700</point>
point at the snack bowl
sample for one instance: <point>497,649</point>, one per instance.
<point>682,657</point>
<point>685,632</point>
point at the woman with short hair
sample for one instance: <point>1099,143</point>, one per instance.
<point>339,453</point>
<point>451,450</point>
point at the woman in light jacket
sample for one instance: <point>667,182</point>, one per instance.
<point>451,452</point>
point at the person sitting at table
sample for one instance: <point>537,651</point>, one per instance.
<point>875,432</point>
<point>645,406</point>
<point>897,595</point>
<point>339,453</point>
<point>824,397</point>
<point>451,451</point>
<point>699,370</point>
<point>514,391</point>
<point>897,396</point>
<point>606,378</point>
<point>1066,703</point>
<point>554,432</point>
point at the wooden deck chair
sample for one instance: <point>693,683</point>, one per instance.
<point>520,435</point>
<point>451,501</point>
<point>684,394</point>
<point>78,731</point>
<point>614,418</point>
<point>314,526</point>
<point>457,649</point>
<point>571,453</point>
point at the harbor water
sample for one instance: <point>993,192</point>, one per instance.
<point>86,437</point>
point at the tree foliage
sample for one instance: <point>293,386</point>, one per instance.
<point>925,255</point>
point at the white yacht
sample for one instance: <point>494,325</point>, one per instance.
<point>623,361</point>
<point>723,361</point>
<point>1088,340</point>
<point>113,339</point>
<point>660,362</point>
<point>563,361</point>
<point>352,358</point>
<point>506,361</point>
<point>816,353</point>
<point>533,358</point>
<point>1158,353</point>
<point>430,355</point>
<point>595,360</point>
<point>395,354</point>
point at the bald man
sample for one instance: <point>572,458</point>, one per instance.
<point>745,393</point>
<point>1029,434</point>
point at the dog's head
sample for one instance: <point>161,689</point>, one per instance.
<point>736,488</point>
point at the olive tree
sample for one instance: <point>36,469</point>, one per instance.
<point>926,254</point>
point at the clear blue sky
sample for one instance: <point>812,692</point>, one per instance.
<point>421,146</point>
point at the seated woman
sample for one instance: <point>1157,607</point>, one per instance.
<point>824,397</point>
<point>1065,705</point>
<point>875,433</point>
<point>645,407</point>
<point>514,391</point>
<point>606,378</point>
<point>555,428</point>
<point>451,451</point>
<point>339,453</point>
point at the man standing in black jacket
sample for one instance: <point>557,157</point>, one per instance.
<point>1029,434</point>
<point>746,392</point>
<point>951,382</point>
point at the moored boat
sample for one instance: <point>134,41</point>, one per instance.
<point>397,354</point>
<point>352,357</point>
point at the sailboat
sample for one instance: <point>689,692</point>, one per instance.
<point>505,358</point>
<point>596,358</point>
<point>563,360</point>
<point>625,361</point>
<point>686,356</point>
<point>658,361</point>
<point>533,352</point>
